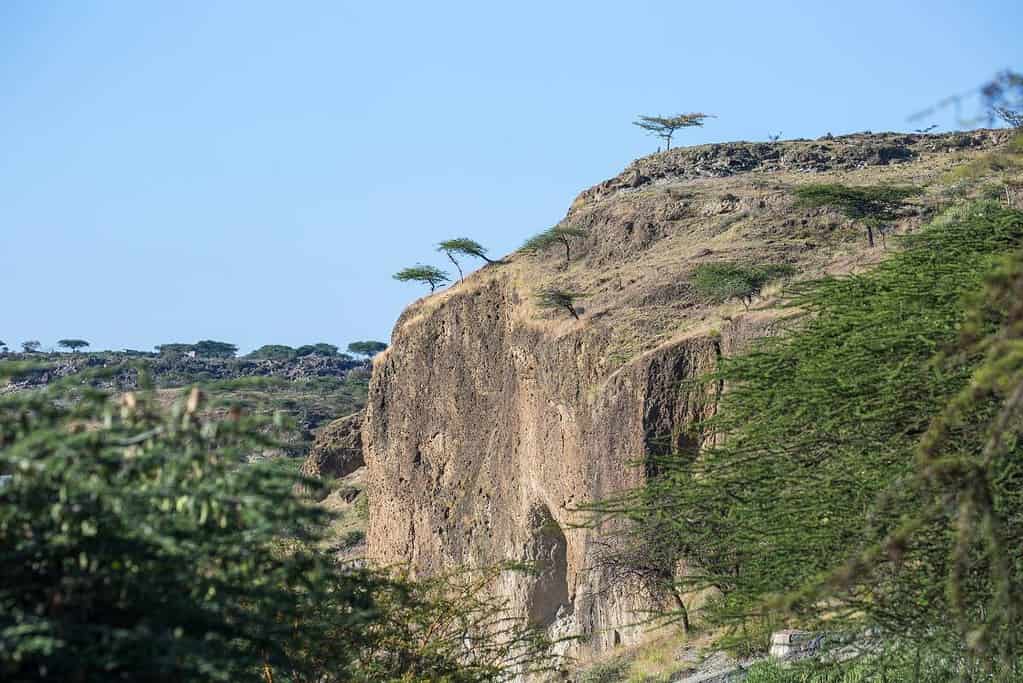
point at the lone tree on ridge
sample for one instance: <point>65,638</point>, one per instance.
<point>430,275</point>
<point>31,346</point>
<point>665,126</point>
<point>465,247</point>
<point>73,344</point>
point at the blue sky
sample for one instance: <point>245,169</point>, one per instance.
<point>256,171</point>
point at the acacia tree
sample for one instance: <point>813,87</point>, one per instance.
<point>146,532</point>
<point>73,344</point>
<point>665,126</point>
<point>367,348</point>
<point>463,246</point>
<point>874,206</point>
<point>31,346</point>
<point>215,349</point>
<point>430,275</point>
<point>719,282</point>
<point>559,234</point>
<point>552,297</point>
<point>3,347</point>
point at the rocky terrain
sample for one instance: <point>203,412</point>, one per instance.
<point>490,420</point>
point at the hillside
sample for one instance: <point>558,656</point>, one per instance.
<point>490,420</point>
<point>312,390</point>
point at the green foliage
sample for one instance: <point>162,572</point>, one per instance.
<point>552,236</point>
<point>73,344</point>
<point>465,247</point>
<point>273,352</point>
<point>665,126</point>
<point>430,275</point>
<point>318,349</point>
<point>31,346</point>
<point>872,205</point>
<point>856,465</point>
<point>135,545</point>
<point>214,349</point>
<point>174,349</point>
<point>367,348</point>
<point>719,282</point>
<point>552,297</point>
<point>610,671</point>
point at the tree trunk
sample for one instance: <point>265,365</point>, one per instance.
<point>870,236</point>
<point>571,309</point>
<point>568,250</point>
<point>460,276</point>
<point>682,610</point>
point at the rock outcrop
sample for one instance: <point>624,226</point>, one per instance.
<point>336,451</point>
<point>491,421</point>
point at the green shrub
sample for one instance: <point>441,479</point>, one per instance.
<point>719,282</point>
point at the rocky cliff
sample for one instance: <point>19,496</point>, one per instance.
<point>489,420</point>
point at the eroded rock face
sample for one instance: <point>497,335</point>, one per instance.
<point>490,422</point>
<point>337,450</point>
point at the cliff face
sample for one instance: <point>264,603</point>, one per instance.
<point>488,420</point>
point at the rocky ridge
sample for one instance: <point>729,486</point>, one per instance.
<point>490,421</point>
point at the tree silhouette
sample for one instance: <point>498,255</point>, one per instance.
<point>367,348</point>
<point>463,246</point>
<point>73,344</point>
<point>31,346</point>
<point>430,275</point>
<point>556,235</point>
<point>552,297</point>
<point>665,126</point>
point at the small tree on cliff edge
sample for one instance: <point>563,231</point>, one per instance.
<point>429,275</point>
<point>665,126</point>
<point>551,297</point>
<point>559,234</point>
<point>465,247</point>
<point>73,344</point>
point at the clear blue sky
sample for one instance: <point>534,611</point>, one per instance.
<point>256,171</point>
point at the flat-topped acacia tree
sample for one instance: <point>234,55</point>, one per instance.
<point>874,205</point>
<point>559,234</point>
<point>73,344</point>
<point>665,126</point>
<point>552,297</point>
<point>430,275</point>
<point>367,348</point>
<point>465,247</point>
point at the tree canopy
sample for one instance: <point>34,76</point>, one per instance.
<point>429,275</point>
<point>31,346</point>
<point>73,344</point>
<point>555,298</point>
<point>367,348</point>
<point>559,234</point>
<point>214,349</point>
<point>318,349</point>
<point>273,352</point>
<point>865,469</point>
<point>718,282</point>
<point>664,127</point>
<point>872,205</point>
<point>136,544</point>
<point>465,247</point>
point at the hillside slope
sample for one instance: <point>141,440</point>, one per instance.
<point>489,419</point>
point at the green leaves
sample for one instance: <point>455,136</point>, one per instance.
<point>810,498</point>
<point>429,275</point>
<point>559,234</point>
<point>719,282</point>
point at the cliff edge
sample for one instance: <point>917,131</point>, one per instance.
<point>489,420</point>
